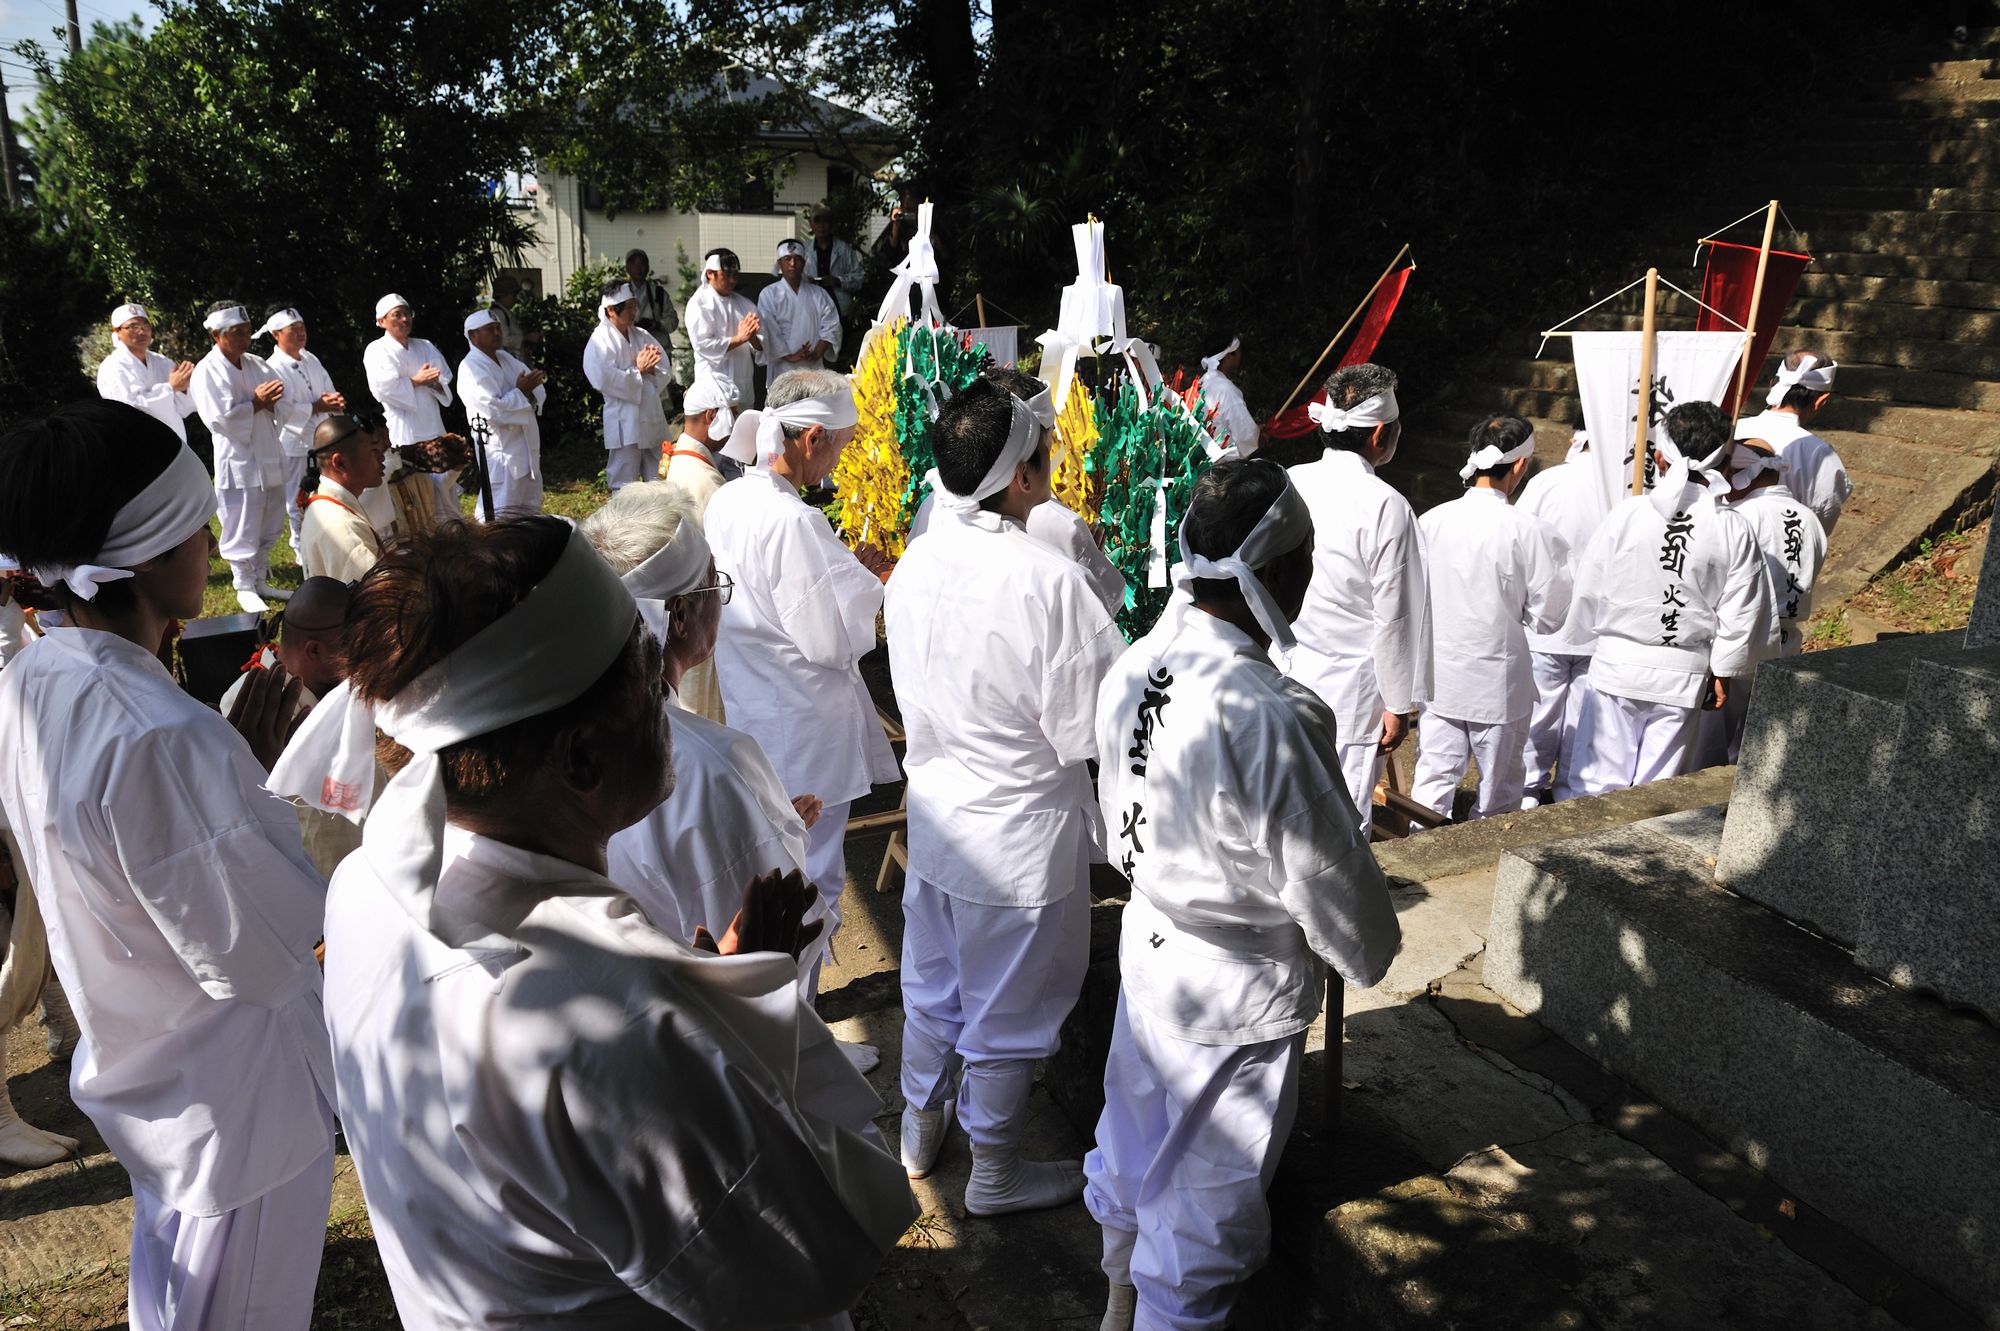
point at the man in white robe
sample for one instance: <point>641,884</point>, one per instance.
<point>1673,594</point>
<point>1062,530</point>
<point>132,374</point>
<point>801,618</point>
<point>628,366</point>
<point>996,645</point>
<point>1233,422</point>
<point>1364,634</point>
<point>1250,874</point>
<point>798,322</point>
<point>339,540</point>
<point>1495,574</point>
<point>1794,547</point>
<point>728,821</point>
<point>725,330</point>
<point>507,396</point>
<point>559,1115</point>
<point>309,398</point>
<point>1811,470</point>
<point>1570,500</point>
<point>237,394</point>
<point>180,912</point>
<point>411,379</point>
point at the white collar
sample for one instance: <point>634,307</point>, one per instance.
<point>1344,456</point>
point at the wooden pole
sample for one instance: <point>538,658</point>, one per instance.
<point>1648,348</point>
<point>979,300</point>
<point>1746,369</point>
<point>1335,339</point>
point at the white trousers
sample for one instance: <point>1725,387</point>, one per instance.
<point>622,466</point>
<point>513,493</point>
<point>250,1269</point>
<point>1444,745</point>
<point>1189,1141</point>
<point>295,475</point>
<point>1361,764</point>
<point>826,870</point>
<point>1554,717</point>
<point>1621,742</point>
<point>251,520</point>
<point>986,989</point>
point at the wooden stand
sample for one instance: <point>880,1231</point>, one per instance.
<point>1746,370</point>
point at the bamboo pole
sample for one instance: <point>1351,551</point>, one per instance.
<point>979,300</point>
<point>1648,350</point>
<point>1746,369</point>
<point>1335,339</point>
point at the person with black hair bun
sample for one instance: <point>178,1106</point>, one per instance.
<point>181,911</point>
<point>1495,574</point>
<point>1227,810</point>
<point>996,645</point>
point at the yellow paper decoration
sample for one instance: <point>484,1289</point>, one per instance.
<point>871,477</point>
<point>1080,490</point>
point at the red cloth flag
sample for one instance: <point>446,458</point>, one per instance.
<point>1294,423</point>
<point>1727,284</point>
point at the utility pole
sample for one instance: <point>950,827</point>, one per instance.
<point>13,182</point>
<point>75,29</point>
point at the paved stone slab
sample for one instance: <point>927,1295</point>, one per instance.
<point>1807,805</point>
<point>1930,905</point>
<point>1874,1105</point>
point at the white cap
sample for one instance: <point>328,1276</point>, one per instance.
<point>705,394</point>
<point>125,314</point>
<point>479,318</point>
<point>387,303</point>
<point>279,321</point>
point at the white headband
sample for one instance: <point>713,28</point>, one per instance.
<point>280,321</point>
<point>1490,456</point>
<point>479,319</point>
<point>1745,465</point>
<point>387,303</point>
<point>790,247</point>
<point>228,317</point>
<point>1578,441</point>
<point>675,569</point>
<point>1812,374</point>
<point>835,412</point>
<point>704,394</point>
<point>554,644</point>
<point>125,314</point>
<point>1284,526</point>
<point>173,506</point>
<point>712,264</point>
<point>1030,419</point>
<point>1209,364</point>
<point>1366,414</point>
<point>618,297</point>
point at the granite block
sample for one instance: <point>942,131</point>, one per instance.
<point>1930,908</point>
<point>1870,1103</point>
<point>1983,629</point>
<point>1806,808</point>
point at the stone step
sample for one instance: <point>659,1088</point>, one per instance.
<point>1951,433</point>
<point>1770,1039</point>
<point>1886,521</point>
<point>1953,198</point>
<point>1932,267</point>
<point>1956,234</point>
<point>1940,357</point>
<point>1817,284</point>
<point>1879,383</point>
<point>1941,146</point>
<point>1961,69</point>
<point>1807,178</point>
<point>1935,323</point>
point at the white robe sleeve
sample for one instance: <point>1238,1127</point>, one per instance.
<point>1545,565</point>
<point>493,391</point>
<point>817,605</point>
<point>1402,613</point>
<point>223,410</point>
<point>293,412</point>
<point>1086,648</point>
<point>709,331</point>
<point>442,388</point>
<point>829,325</point>
<point>1746,615</point>
<point>386,380</point>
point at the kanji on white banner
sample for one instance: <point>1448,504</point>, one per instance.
<point>1687,367</point>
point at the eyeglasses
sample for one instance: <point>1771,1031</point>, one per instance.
<point>722,587</point>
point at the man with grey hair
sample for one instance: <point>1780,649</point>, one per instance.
<point>1364,634</point>
<point>801,618</point>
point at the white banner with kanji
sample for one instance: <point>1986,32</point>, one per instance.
<point>1687,367</point>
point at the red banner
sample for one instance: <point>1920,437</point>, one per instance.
<point>1727,284</point>
<point>1294,423</point>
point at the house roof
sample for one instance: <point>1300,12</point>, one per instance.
<point>850,124</point>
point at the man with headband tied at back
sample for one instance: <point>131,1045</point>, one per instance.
<point>1221,785</point>
<point>997,644</point>
<point>725,330</point>
<point>1364,632</point>
<point>560,1115</point>
<point>181,912</point>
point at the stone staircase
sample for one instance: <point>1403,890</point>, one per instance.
<point>1898,197</point>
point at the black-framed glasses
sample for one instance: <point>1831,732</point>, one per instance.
<point>722,587</point>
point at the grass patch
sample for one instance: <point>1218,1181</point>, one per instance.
<point>1930,592</point>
